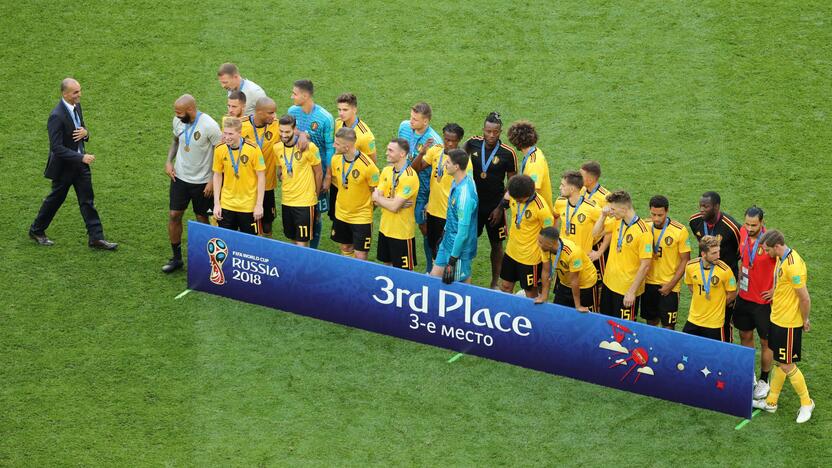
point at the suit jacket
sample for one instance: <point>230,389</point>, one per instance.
<point>64,158</point>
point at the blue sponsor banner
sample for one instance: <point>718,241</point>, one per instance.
<point>615,353</point>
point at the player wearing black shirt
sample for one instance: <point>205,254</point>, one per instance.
<point>711,221</point>
<point>492,164</point>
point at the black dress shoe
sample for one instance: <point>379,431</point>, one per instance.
<point>41,239</point>
<point>172,265</point>
<point>101,244</point>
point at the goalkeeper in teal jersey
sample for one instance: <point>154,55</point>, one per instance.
<point>459,243</point>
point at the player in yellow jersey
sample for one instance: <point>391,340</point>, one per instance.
<point>593,190</point>
<point>671,253</point>
<point>790,307</point>
<point>356,176</point>
<point>365,141</point>
<point>301,176</point>
<point>529,215</point>
<point>260,128</point>
<point>396,195</point>
<point>236,104</point>
<point>523,135</point>
<point>576,213</point>
<point>570,266</point>
<point>239,180</point>
<point>440,182</point>
<point>712,285</point>
<point>629,261</point>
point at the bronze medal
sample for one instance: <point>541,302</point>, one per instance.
<point>483,175</point>
<point>187,148</point>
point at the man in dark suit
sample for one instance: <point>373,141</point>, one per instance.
<point>69,166</point>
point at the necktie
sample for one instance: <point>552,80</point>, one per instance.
<point>78,119</point>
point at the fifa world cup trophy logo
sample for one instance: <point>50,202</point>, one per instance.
<point>217,253</point>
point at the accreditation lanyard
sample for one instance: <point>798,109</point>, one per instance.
<point>658,243</point>
<point>235,164</point>
<point>568,217</point>
<point>520,213</point>
<point>780,266</point>
<point>486,164</point>
<point>706,285</point>
<point>554,265</point>
<point>257,138</point>
<point>189,130</point>
<point>622,230</point>
<point>705,225</point>
<point>752,254</point>
<point>345,174</point>
<point>526,157</point>
<point>291,159</point>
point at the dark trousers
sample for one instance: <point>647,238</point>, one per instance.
<point>82,183</point>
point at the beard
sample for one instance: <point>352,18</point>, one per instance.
<point>186,119</point>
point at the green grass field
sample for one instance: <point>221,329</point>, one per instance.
<point>99,365</point>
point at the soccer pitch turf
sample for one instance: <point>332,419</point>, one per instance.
<point>99,365</point>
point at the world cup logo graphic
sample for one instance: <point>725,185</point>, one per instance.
<point>217,253</point>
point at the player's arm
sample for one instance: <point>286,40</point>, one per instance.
<point>261,190</point>
<point>390,204</point>
<point>573,279</point>
<point>329,139</point>
<point>218,184</point>
<point>545,282</point>
<point>599,228</point>
<point>327,177</point>
<point>174,147</point>
<point>318,173</point>
<point>419,162</point>
<point>643,268</point>
<point>805,304</point>
<point>602,247</point>
<point>684,258</point>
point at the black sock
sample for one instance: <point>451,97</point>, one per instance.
<point>764,376</point>
<point>177,251</point>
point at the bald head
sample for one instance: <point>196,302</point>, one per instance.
<point>71,90</point>
<point>185,108</point>
<point>264,111</point>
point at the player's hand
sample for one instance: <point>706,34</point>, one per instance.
<point>629,299</point>
<point>407,204</point>
<point>209,189</point>
<point>606,211</point>
<point>767,295</point>
<point>541,298</point>
<point>377,195</point>
<point>496,216</point>
<point>594,255</point>
<point>303,141</point>
<point>448,272</point>
<point>88,159</point>
<point>582,309</point>
<point>171,172</point>
<point>217,212</point>
<point>79,134</point>
<point>258,212</point>
<point>428,144</point>
<point>806,326</point>
<point>665,289</point>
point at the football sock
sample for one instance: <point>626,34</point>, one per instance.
<point>777,381</point>
<point>764,375</point>
<point>177,251</point>
<point>799,384</point>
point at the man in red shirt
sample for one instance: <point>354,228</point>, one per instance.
<point>753,306</point>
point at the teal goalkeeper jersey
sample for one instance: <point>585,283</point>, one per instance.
<point>321,128</point>
<point>460,237</point>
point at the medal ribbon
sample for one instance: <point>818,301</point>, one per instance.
<point>235,164</point>
<point>526,157</point>
<point>622,230</point>
<point>189,129</point>
<point>520,213</point>
<point>258,139</point>
<point>780,266</point>
<point>706,285</point>
<point>486,164</point>
<point>345,175</point>
<point>658,243</point>
<point>569,218</point>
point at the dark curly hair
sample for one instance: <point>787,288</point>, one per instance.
<point>522,134</point>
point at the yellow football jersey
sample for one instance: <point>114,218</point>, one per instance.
<point>537,168</point>
<point>622,264</point>
<point>576,222</point>
<point>264,137</point>
<point>707,309</point>
<point>666,250</point>
<point>440,182</point>
<point>299,188</point>
<point>239,188</point>
<point>534,215</point>
<point>355,181</point>
<point>598,195</point>
<point>401,225</point>
<point>365,140</point>
<point>573,259</point>
<point>789,274</point>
